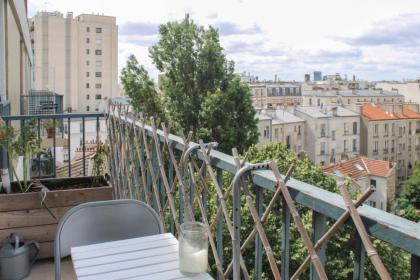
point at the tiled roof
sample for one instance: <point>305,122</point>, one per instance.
<point>375,112</point>
<point>360,167</point>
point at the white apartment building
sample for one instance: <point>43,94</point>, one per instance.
<point>410,89</point>
<point>76,57</point>
<point>349,98</point>
<point>16,57</point>
<point>281,126</point>
<point>331,133</point>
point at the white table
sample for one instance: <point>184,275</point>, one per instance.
<point>151,257</point>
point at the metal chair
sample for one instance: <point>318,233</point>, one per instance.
<point>102,221</point>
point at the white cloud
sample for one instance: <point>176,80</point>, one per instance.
<point>287,38</point>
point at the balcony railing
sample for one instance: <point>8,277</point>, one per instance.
<point>179,178</point>
<point>75,135</point>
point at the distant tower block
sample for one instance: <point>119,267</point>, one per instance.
<point>317,76</point>
<point>307,78</point>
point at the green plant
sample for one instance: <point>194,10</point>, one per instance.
<point>99,160</point>
<point>25,143</point>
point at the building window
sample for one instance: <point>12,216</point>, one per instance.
<point>354,145</point>
<point>87,108</point>
<point>87,96</point>
<point>98,52</point>
<point>386,128</point>
<point>87,85</point>
<point>98,63</point>
<point>322,130</point>
<point>87,40</point>
<point>319,102</point>
<point>87,63</point>
<point>322,148</point>
<point>354,127</point>
<point>348,101</point>
<point>345,145</point>
<point>98,74</point>
<point>88,29</point>
<point>98,30</point>
<point>299,131</point>
<point>276,133</point>
<point>372,203</point>
<point>87,51</point>
<point>98,85</point>
<point>87,74</point>
<point>375,147</point>
<point>373,183</point>
<point>400,131</point>
<point>375,131</point>
<point>98,40</point>
<point>333,135</point>
<point>98,96</point>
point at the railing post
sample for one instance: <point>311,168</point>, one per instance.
<point>415,267</point>
<point>258,245</point>
<point>319,228</point>
<point>360,258</point>
<point>285,241</point>
<point>219,229</point>
<point>171,181</point>
<point>83,146</point>
<point>68,144</point>
<point>54,147</point>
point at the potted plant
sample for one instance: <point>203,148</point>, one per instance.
<point>49,127</point>
<point>31,207</point>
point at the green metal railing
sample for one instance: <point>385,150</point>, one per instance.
<point>179,177</point>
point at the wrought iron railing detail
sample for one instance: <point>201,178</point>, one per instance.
<point>178,178</point>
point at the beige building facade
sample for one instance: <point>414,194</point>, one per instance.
<point>391,133</point>
<point>16,56</point>
<point>331,133</point>
<point>410,90</point>
<point>348,98</point>
<point>76,57</point>
<point>273,95</point>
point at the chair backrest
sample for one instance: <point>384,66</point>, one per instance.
<point>102,221</point>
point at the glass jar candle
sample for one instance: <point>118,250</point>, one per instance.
<point>193,248</point>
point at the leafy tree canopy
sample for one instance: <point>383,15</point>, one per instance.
<point>141,90</point>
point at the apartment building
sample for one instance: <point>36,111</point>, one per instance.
<point>391,133</point>
<point>410,89</point>
<point>76,57</point>
<point>331,133</point>
<point>281,126</point>
<point>366,172</point>
<point>16,56</point>
<point>273,95</point>
<point>350,98</point>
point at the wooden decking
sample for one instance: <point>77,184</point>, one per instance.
<point>44,270</point>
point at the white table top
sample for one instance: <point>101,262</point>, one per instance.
<point>150,257</point>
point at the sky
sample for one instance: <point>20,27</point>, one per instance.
<point>372,39</point>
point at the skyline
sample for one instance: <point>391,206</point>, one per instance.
<point>376,40</point>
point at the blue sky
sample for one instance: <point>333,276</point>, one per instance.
<point>372,39</point>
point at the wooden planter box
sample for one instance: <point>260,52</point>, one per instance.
<point>21,213</point>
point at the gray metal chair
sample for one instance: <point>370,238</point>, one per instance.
<point>102,221</point>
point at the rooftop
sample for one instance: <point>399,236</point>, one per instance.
<point>376,112</point>
<point>352,93</point>
<point>285,117</point>
<point>325,111</point>
<point>360,167</point>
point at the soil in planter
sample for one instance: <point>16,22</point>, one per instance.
<point>65,184</point>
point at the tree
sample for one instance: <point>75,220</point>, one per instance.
<point>229,117</point>
<point>408,205</point>
<point>141,90</point>
<point>193,65</point>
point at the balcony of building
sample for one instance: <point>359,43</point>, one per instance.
<point>176,176</point>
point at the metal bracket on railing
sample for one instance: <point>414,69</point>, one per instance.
<point>194,147</point>
<point>237,213</point>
